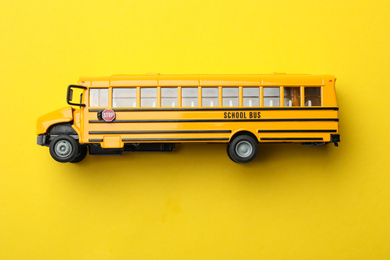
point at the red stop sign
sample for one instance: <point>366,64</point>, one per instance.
<point>108,115</point>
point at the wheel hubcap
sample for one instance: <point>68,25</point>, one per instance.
<point>244,149</point>
<point>63,148</point>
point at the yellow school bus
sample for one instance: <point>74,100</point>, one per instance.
<point>153,112</point>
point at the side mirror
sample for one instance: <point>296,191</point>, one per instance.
<point>73,91</point>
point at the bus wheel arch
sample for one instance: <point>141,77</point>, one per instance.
<point>243,132</point>
<point>61,129</point>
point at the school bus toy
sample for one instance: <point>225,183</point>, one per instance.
<point>154,112</point>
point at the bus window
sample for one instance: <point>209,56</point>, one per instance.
<point>189,97</point>
<point>168,97</point>
<point>271,96</point>
<point>98,97</point>
<point>292,96</point>
<point>124,97</point>
<point>148,97</point>
<point>210,97</point>
<point>312,96</point>
<point>230,97</point>
<point>250,97</point>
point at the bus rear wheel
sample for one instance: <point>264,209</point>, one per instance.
<point>64,148</point>
<point>228,153</point>
<point>242,149</point>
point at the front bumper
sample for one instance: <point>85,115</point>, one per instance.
<point>42,140</point>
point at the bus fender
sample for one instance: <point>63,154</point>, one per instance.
<point>243,132</point>
<point>62,115</point>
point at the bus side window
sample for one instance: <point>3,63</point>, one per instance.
<point>189,97</point>
<point>98,97</point>
<point>230,96</point>
<point>210,97</point>
<point>124,97</point>
<point>168,97</point>
<point>250,97</point>
<point>148,97</point>
<point>312,96</point>
<point>271,96</point>
<point>292,96</point>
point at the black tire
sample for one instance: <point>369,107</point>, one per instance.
<point>228,153</point>
<point>83,151</point>
<point>64,148</point>
<point>242,149</point>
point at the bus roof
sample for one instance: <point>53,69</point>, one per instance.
<point>155,79</point>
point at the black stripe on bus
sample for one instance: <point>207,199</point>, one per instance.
<point>174,139</point>
<point>290,139</point>
<point>214,109</point>
<point>95,140</point>
<point>297,131</point>
<point>161,132</point>
<point>217,120</point>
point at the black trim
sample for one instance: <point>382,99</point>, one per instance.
<point>289,139</point>
<point>95,140</point>
<point>161,132</point>
<point>297,131</point>
<point>96,149</point>
<point>216,120</point>
<point>51,137</point>
<point>175,139</point>
<point>215,109</point>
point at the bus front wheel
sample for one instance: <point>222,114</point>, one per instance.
<point>64,148</point>
<point>83,151</point>
<point>242,149</point>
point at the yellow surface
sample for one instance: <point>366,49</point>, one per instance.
<point>292,202</point>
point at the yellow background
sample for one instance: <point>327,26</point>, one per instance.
<point>292,202</point>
